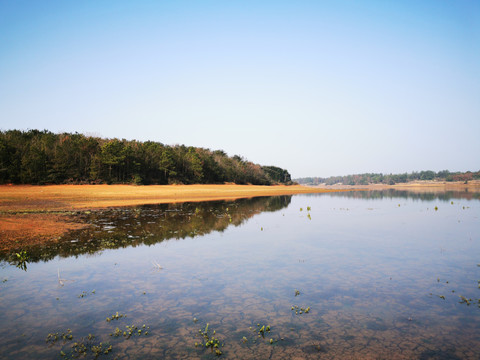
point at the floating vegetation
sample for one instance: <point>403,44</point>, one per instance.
<point>436,208</point>
<point>464,300</point>
<point>85,294</point>
<point>52,338</point>
<point>86,345</point>
<point>117,332</point>
<point>115,316</point>
<point>309,208</point>
<point>21,260</point>
<point>301,209</point>
<point>132,330</point>
<point>4,280</point>
<point>101,348</point>
<point>79,349</point>
<point>297,292</point>
<point>300,310</point>
<point>309,217</point>
<point>441,297</point>
<point>210,341</point>
<point>261,330</point>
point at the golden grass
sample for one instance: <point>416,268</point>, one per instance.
<point>74,197</point>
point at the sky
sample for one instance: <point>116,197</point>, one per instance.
<point>321,88</point>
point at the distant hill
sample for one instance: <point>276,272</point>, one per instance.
<point>42,157</point>
<point>390,179</point>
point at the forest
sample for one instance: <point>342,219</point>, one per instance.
<point>43,157</point>
<point>391,179</point>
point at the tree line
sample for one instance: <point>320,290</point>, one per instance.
<point>391,179</point>
<point>42,157</point>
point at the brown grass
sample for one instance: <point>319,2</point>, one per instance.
<point>35,214</point>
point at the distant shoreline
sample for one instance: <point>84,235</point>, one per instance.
<point>35,214</point>
<point>413,186</point>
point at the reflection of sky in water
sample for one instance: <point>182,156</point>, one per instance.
<point>366,268</point>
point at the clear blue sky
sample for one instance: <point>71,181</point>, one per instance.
<point>318,87</point>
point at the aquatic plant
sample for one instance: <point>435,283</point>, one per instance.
<point>464,300</point>
<point>300,310</point>
<point>210,341</point>
<point>85,294</point>
<point>261,330</point>
<point>52,338</point>
<point>130,331</point>
<point>21,260</point>
<point>115,316</point>
<point>81,349</point>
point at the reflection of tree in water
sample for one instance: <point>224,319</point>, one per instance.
<point>151,224</point>
<point>405,194</point>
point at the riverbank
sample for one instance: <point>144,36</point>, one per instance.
<point>36,214</point>
<point>419,186</point>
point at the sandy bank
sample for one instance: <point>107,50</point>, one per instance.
<point>415,186</point>
<point>82,197</point>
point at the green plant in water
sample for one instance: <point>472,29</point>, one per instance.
<point>464,300</point>
<point>309,208</point>
<point>115,316</point>
<point>300,310</point>
<point>21,260</point>
<point>210,341</point>
<point>262,330</point>
<point>52,338</point>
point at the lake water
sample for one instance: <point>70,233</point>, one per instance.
<point>361,275</point>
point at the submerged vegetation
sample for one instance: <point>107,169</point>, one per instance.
<point>42,157</point>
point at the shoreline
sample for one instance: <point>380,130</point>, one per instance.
<point>48,198</point>
<point>36,214</point>
<point>424,186</point>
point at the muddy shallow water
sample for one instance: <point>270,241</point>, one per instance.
<point>381,273</point>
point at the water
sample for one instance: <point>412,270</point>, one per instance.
<point>381,273</point>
